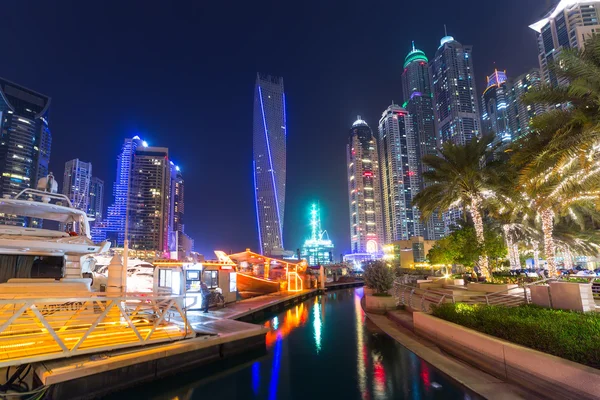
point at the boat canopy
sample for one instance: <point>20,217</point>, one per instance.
<point>37,209</point>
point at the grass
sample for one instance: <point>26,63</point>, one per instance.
<point>567,334</point>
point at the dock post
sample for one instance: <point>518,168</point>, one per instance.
<point>115,285</point>
<point>322,277</point>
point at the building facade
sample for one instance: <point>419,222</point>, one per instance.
<point>76,183</point>
<point>455,96</point>
<point>399,180</point>
<point>269,161</point>
<point>179,241</point>
<point>25,142</point>
<point>411,253</point>
<point>96,204</point>
<point>418,96</point>
<point>364,192</point>
<point>318,248</point>
<point>497,117</point>
<point>523,113</point>
<point>566,26</point>
<point>150,199</point>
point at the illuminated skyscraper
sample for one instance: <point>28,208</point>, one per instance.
<point>76,183</point>
<point>455,98</point>
<point>364,194</point>
<point>269,164</point>
<point>523,113</point>
<point>416,85</point>
<point>96,206</point>
<point>399,179</point>
<point>150,199</point>
<point>25,141</point>
<point>496,114</point>
<point>568,25</point>
<point>179,241</point>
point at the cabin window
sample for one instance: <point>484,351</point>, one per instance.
<point>165,277</point>
<point>211,278</point>
<point>232,282</point>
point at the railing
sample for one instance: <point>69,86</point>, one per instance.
<point>38,329</point>
<point>423,299</point>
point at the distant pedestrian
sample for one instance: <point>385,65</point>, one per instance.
<point>205,292</point>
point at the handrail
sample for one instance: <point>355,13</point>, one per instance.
<point>41,193</point>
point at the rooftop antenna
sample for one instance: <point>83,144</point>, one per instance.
<point>445,31</point>
<point>413,44</point>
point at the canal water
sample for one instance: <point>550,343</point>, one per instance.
<point>323,348</point>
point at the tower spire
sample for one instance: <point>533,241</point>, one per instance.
<point>413,45</point>
<point>445,31</point>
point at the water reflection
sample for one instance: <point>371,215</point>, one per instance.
<point>324,348</point>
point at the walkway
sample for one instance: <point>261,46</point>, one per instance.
<point>478,381</point>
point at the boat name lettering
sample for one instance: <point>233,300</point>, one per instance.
<point>50,309</point>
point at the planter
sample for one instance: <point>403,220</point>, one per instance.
<point>491,288</point>
<point>572,296</point>
<point>540,295</point>
<point>380,304</point>
<point>524,366</point>
<point>367,290</point>
<point>454,282</point>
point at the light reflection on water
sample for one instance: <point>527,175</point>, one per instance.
<point>323,348</point>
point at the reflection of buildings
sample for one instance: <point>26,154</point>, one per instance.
<point>364,195</point>
<point>568,25</point>
<point>408,253</point>
<point>317,250</point>
<point>269,146</point>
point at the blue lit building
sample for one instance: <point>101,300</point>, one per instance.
<point>416,85</point>
<point>269,161</point>
<point>496,114</point>
<point>25,141</point>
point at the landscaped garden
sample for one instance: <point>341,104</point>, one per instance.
<point>571,335</point>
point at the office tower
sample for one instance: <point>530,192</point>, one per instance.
<point>113,226</point>
<point>497,117</point>
<point>523,113</point>
<point>416,85</point>
<point>149,199</point>
<point>399,179</point>
<point>568,25</point>
<point>25,142</point>
<point>269,163</point>
<point>96,206</point>
<point>179,241</point>
<point>76,183</point>
<point>364,193</point>
<point>455,98</point>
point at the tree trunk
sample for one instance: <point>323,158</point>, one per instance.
<point>567,257</point>
<point>513,250</point>
<point>536,254</point>
<point>516,255</point>
<point>549,247</point>
<point>478,222</point>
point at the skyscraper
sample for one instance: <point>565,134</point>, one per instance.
<point>25,141</point>
<point>496,114</point>
<point>150,199</point>
<point>96,206</point>
<point>76,183</point>
<point>113,226</point>
<point>399,180</point>
<point>179,241</point>
<point>416,85</point>
<point>364,193</point>
<point>455,97</point>
<point>269,163</point>
<point>523,113</point>
<point>568,25</point>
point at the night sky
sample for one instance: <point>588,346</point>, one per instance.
<point>182,76</point>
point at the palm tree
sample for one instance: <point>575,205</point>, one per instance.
<point>459,176</point>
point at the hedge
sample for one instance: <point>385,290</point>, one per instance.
<point>567,334</point>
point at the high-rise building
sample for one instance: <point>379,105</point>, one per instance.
<point>96,206</point>
<point>399,179</point>
<point>455,97</point>
<point>568,25</point>
<point>364,193</point>
<point>496,114</point>
<point>25,141</point>
<point>179,241</point>
<point>523,113</point>
<point>416,85</point>
<point>76,183</point>
<point>150,199</point>
<point>269,163</point>
<point>113,226</point>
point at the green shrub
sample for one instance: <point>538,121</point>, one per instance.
<point>567,334</point>
<point>379,277</point>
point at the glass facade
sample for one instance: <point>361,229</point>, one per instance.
<point>269,164</point>
<point>496,113</point>
<point>76,183</point>
<point>96,204</point>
